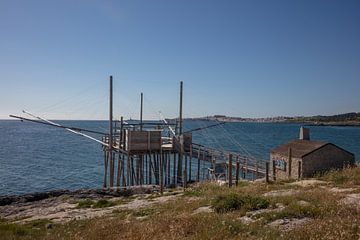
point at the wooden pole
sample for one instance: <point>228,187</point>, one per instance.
<point>184,179</point>
<point>139,169</point>
<point>230,170</point>
<point>181,110</point>
<point>141,112</point>
<point>118,176</point>
<point>180,158</point>
<point>290,162</point>
<point>161,172</point>
<point>106,160</point>
<point>169,164</point>
<point>150,168</point>
<point>157,169</point>
<point>181,139</point>
<point>146,171</point>
<point>142,169</point>
<point>128,170</point>
<point>174,170</point>
<point>190,162</point>
<point>111,134</point>
<point>123,170</point>
<point>132,170</point>
<point>267,164</point>
<point>237,171</point>
<point>198,166</point>
<point>121,131</point>
<point>213,164</point>
<point>203,162</point>
<point>274,170</point>
<point>185,170</point>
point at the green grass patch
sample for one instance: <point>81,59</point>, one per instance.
<point>233,201</point>
<point>85,203</point>
<point>192,192</point>
<point>32,230</point>
<point>102,203</point>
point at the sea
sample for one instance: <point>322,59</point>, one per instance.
<point>36,157</point>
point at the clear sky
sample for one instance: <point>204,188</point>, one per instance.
<point>241,58</point>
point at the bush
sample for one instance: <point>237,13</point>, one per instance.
<point>231,202</point>
<point>102,203</point>
<point>85,203</point>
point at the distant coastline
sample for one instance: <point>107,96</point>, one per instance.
<point>343,120</point>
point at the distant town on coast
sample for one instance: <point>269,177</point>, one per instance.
<point>346,119</point>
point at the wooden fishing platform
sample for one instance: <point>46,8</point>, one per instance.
<point>147,152</point>
<point>144,153</point>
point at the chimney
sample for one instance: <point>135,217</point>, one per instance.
<point>304,133</point>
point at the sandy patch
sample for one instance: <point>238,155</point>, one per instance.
<point>281,193</point>
<point>308,183</point>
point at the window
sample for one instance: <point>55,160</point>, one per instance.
<point>280,164</point>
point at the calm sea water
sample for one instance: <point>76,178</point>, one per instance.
<point>36,157</point>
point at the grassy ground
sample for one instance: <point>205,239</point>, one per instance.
<point>328,217</point>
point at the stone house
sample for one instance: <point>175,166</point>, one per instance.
<point>304,158</point>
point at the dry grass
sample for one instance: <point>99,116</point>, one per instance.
<point>347,177</point>
<point>176,219</point>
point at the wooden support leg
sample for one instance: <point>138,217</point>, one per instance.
<point>237,172</point>
<point>174,169</point>
<point>198,167</point>
<point>267,172</point>
<point>150,169</point>
<point>190,163</point>
<point>230,170</point>
<point>123,170</point>
<point>185,170</point>
<point>106,160</point>
<point>168,169</point>
<point>118,175</point>
<point>161,174</point>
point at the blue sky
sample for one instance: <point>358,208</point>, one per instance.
<point>240,58</point>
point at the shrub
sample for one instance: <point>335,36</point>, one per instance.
<point>85,203</point>
<point>102,203</point>
<point>231,202</point>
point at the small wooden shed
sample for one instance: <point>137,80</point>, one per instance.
<point>142,141</point>
<point>304,158</point>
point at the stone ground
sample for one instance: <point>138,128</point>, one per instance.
<point>62,208</point>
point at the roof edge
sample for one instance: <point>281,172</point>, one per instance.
<point>325,146</point>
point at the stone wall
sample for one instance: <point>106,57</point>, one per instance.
<point>326,158</point>
<point>284,174</point>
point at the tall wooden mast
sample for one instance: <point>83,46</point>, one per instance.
<point>141,112</point>
<point>180,137</point>
<point>111,160</point>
